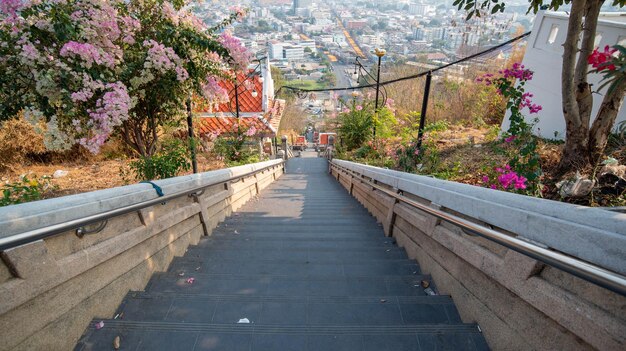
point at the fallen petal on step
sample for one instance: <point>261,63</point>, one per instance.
<point>383,300</point>
<point>116,343</point>
<point>181,274</point>
<point>100,325</point>
<point>236,232</point>
<point>190,280</point>
<point>244,321</point>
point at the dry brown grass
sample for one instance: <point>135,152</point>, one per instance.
<point>87,175</point>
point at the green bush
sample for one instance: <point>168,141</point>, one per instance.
<point>171,160</point>
<point>24,190</point>
<point>355,124</point>
<point>438,126</point>
<point>235,148</point>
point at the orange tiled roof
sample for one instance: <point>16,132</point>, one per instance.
<point>247,103</point>
<point>228,125</point>
<point>274,114</point>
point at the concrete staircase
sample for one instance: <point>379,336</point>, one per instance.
<point>303,267</point>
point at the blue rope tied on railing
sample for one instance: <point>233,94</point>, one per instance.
<point>157,188</point>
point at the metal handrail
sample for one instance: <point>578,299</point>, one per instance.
<point>582,269</point>
<point>55,229</point>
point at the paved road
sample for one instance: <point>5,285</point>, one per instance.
<point>342,79</point>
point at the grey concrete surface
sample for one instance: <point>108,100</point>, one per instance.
<point>520,302</point>
<point>307,266</point>
<point>52,288</point>
<point>595,235</point>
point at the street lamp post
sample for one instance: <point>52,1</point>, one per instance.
<point>254,93</point>
<point>237,104</point>
<point>380,53</point>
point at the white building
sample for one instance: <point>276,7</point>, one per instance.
<point>293,52</point>
<point>325,38</point>
<point>307,44</point>
<point>373,40</point>
<point>417,9</point>
<point>276,50</point>
<point>544,56</point>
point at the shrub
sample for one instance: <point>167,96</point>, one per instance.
<point>88,69</point>
<point>356,122</point>
<point>172,159</point>
<point>18,139</point>
<point>519,143</point>
<point>25,190</point>
<point>235,148</point>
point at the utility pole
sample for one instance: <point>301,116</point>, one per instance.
<point>420,132</point>
<point>380,53</point>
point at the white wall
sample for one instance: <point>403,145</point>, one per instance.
<point>545,59</point>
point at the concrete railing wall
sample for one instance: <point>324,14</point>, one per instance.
<point>520,303</point>
<point>52,288</point>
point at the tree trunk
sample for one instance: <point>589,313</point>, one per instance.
<point>604,121</point>
<point>575,154</point>
<point>576,132</point>
<point>584,98</point>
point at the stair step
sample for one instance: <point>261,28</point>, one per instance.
<point>258,337</point>
<point>289,233</point>
<point>312,212</point>
<point>285,285</point>
<point>337,254</point>
<point>269,222</point>
<point>303,268</point>
<point>272,243</point>
<point>308,227</point>
<point>309,268</point>
<point>295,310</point>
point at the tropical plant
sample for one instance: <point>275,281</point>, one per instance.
<point>356,122</point>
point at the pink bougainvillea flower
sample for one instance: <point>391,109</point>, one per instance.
<point>239,55</point>
<point>213,91</point>
<point>485,179</point>
<point>510,139</point>
<point>509,178</point>
<point>251,132</point>
<point>602,59</point>
<point>520,182</point>
<point>190,280</point>
<point>99,325</point>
